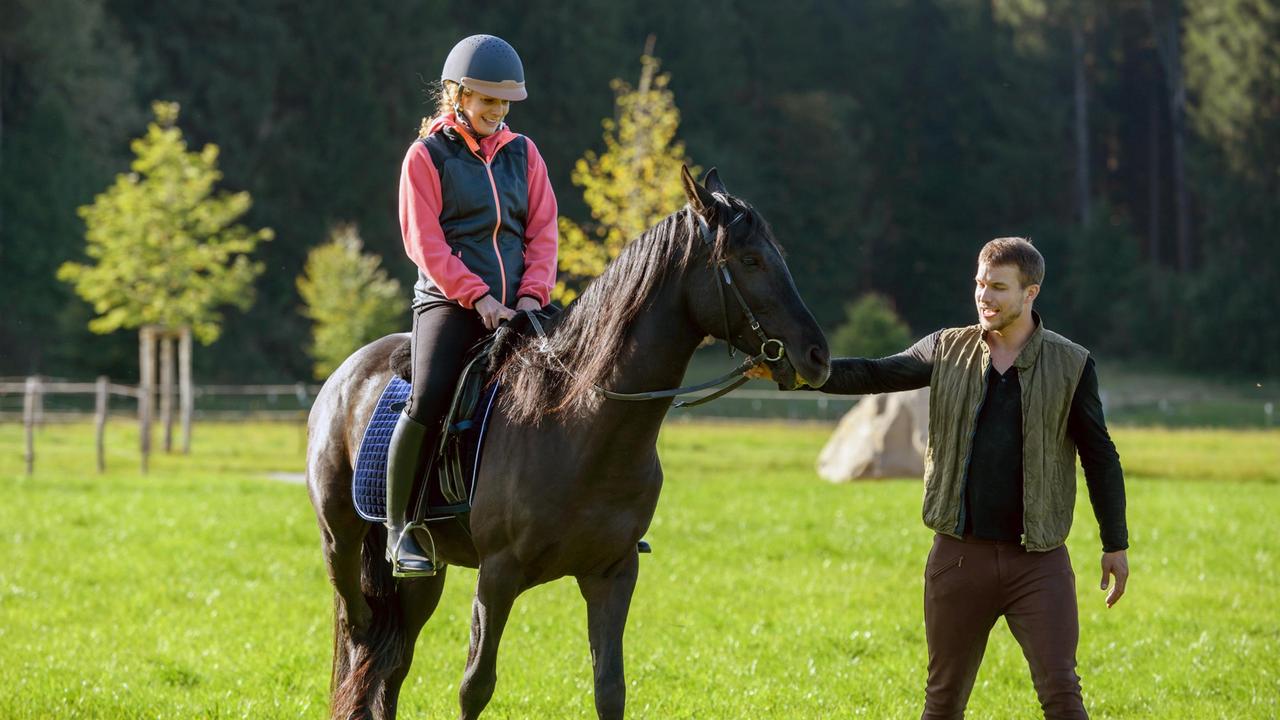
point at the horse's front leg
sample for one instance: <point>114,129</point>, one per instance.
<point>498,585</point>
<point>608,598</point>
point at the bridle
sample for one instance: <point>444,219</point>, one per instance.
<point>726,281</point>
<point>771,349</point>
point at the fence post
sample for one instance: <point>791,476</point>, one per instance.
<point>100,420</point>
<point>186,397</point>
<point>29,420</point>
<point>166,388</point>
<point>39,401</point>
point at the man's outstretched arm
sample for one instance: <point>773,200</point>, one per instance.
<point>908,370</point>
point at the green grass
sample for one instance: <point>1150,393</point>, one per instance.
<point>198,591</point>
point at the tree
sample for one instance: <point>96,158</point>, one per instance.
<point>67,110</point>
<point>629,187</point>
<point>349,298</point>
<point>1166,24</point>
<point>872,328</point>
<point>168,253</point>
<point>167,248</point>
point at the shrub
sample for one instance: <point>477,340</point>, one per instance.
<point>872,328</point>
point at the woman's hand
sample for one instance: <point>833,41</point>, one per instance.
<point>493,312</point>
<point>527,303</point>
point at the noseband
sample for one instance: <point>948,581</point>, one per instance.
<point>771,349</point>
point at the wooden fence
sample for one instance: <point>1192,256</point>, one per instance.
<point>34,413</point>
<point>232,403</point>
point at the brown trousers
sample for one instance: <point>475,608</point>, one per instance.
<point>971,583</point>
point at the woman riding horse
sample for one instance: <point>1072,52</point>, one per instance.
<point>571,476</point>
<point>479,220</point>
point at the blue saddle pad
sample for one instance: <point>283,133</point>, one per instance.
<point>369,483</point>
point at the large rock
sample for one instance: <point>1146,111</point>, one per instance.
<point>882,436</point>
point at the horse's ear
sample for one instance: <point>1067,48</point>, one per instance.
<point>699,197</point>
<point>711,181</point>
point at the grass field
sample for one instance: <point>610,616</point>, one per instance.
<point>198,591</point>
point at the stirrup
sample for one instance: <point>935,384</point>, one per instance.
<point>398,569</point>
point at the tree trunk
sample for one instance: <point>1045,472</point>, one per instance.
<point>187,399</point>
<point>1165,27</point>
<point>1,137</point>
<point>1181,195</point>
<point>166,388</point>
<point>1153,180</point>
<point>1083,205</point>
<point>146,389</point>
<point>646,70</point>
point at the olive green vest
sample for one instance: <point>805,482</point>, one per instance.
<point>1049,369</point>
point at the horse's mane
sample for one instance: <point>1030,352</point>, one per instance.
<point>582,348</point>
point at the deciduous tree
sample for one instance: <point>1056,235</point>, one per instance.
<point>349,298</point>
<point>164,246</point>
<point>631,185</point>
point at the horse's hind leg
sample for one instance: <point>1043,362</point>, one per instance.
<point>342,538</point>
<point>418,600</point>
<point>496,591</point>
<point>608,599</point>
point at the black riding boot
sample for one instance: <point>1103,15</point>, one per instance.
<point>408,559</point>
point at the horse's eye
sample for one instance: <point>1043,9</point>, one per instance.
<point>750,260</point>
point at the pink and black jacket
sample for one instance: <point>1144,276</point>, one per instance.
<point>478,218</point>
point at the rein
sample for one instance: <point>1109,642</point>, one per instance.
<point>771,349</point>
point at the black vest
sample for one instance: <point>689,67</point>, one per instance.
<point>488,238</point>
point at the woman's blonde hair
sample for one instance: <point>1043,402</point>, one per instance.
<point>445,93</point>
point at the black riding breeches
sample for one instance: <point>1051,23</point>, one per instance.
<point>442,334</point>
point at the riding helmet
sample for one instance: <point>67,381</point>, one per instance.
<point>487,65</point>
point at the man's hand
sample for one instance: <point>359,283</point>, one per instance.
<point>493,312</point>
<point>528,303</point>
<point>760,372</point>
<point>1117,564</point>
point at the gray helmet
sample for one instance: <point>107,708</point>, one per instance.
<point>488,65</point>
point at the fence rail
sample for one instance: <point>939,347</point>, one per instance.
<point>290,402</point>
<point>56,387</point>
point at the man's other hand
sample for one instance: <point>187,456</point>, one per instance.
<point>1115,564</point>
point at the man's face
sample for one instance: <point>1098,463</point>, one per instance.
<point>999,295</point>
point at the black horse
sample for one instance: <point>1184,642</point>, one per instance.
<point>570,479</point>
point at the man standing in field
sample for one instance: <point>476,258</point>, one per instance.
<point>1010,404</point>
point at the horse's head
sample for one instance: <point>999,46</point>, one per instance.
<point>743,277</point>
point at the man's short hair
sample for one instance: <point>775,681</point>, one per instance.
<point>1018,252</point>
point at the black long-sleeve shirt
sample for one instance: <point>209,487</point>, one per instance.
<point>993,489</point>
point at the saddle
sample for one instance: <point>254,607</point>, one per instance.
<point>448,474</point>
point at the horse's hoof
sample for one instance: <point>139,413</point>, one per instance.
<point>644,547</point>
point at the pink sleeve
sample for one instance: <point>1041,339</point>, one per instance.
<point>424,238</point>
<point>541,235</point>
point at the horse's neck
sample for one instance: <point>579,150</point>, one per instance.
<point>657,351</point>
<point>655,356</point>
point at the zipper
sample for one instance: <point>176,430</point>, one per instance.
<point>497,208</point>
<point>958,563</point>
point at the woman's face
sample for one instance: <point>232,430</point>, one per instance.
<point>484,113</point>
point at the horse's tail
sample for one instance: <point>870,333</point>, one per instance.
<point>362,664</point>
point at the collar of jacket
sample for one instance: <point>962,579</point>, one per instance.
<point>485,146</point>
<point>1029,353</point>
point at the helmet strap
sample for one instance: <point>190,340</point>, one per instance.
<point>462,117</point>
